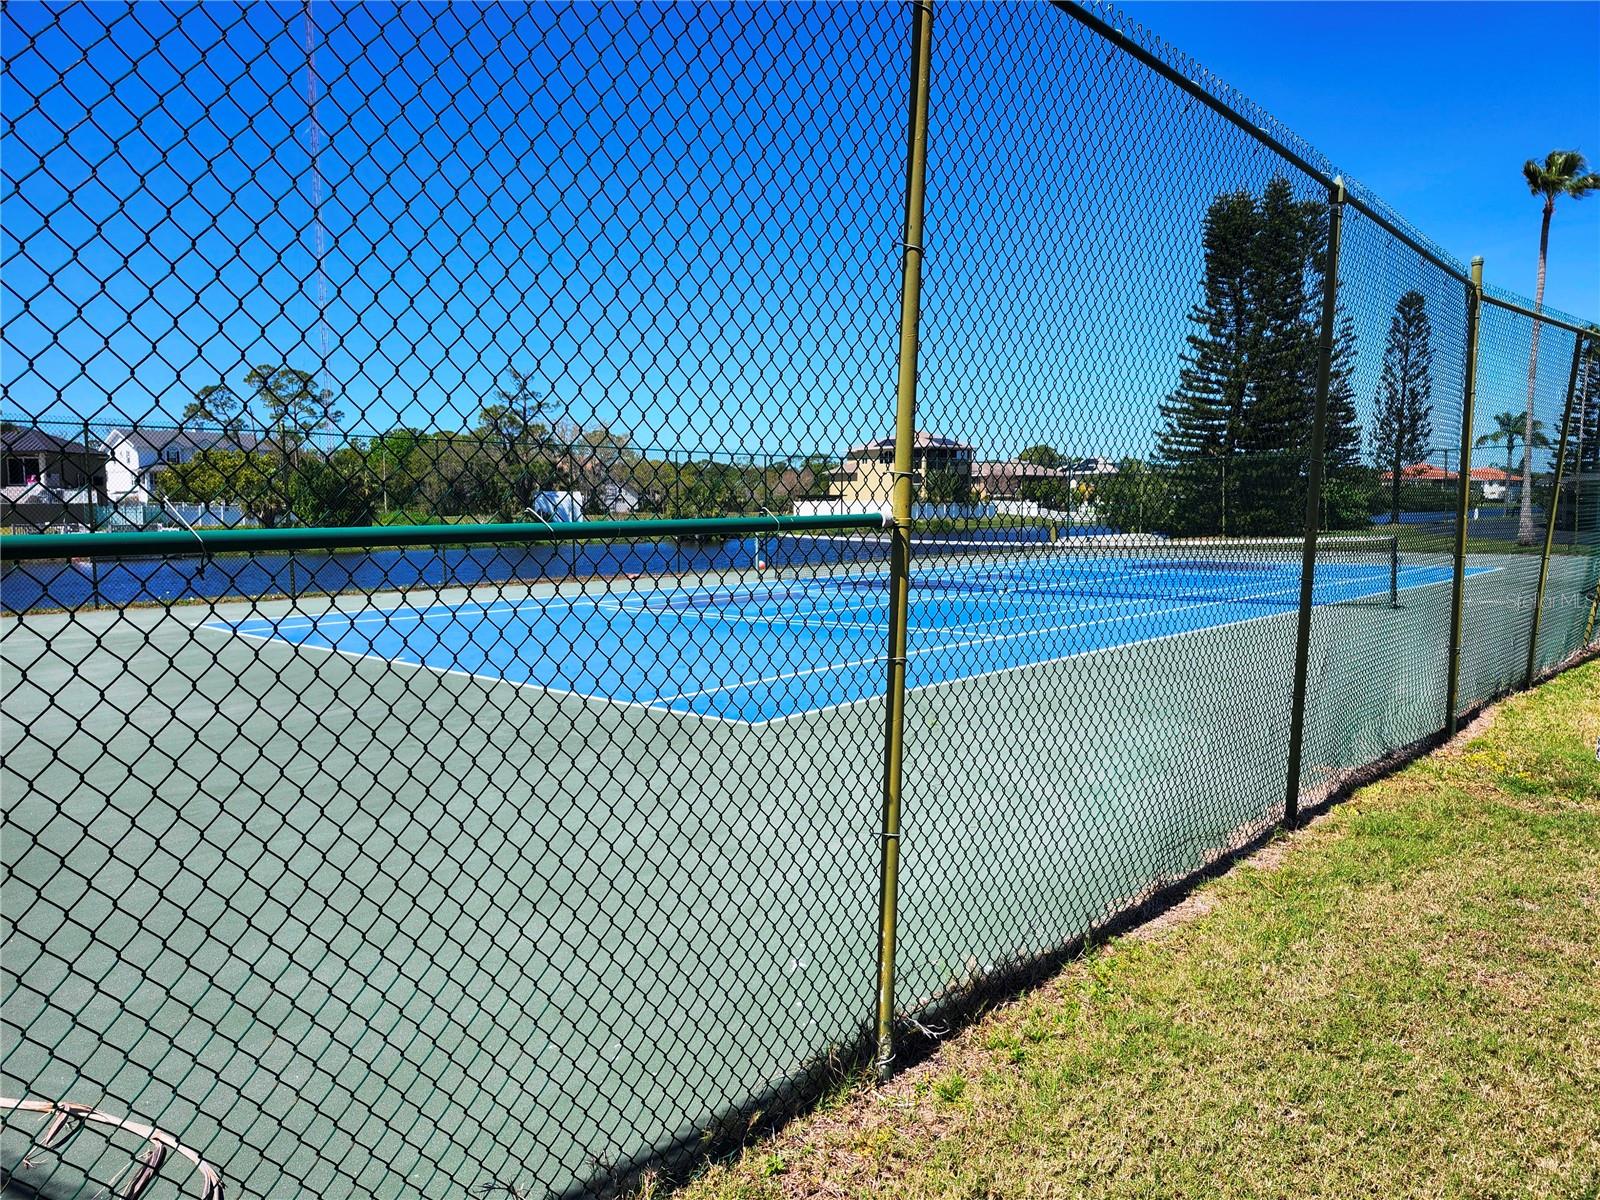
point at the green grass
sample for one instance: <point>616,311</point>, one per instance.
<point>1434,540</point>
<point>1401,1000</point>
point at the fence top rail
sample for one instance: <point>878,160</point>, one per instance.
<point>1545,316</point>
<point>1300,156</point>
<point>34,546</point>
<point>1255,121</point>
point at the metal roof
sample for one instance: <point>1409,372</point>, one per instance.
<point>156,438</point>
<point>29,440</point>
<point>920,440</point>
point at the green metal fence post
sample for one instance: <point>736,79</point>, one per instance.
<point>1550,521</point>
<point>1308,553</point>
<point>1463,499</point>
<point>900,526</point>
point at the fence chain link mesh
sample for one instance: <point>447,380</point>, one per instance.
<point>448,470</point>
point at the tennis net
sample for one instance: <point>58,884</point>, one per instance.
<point>1266,571</point>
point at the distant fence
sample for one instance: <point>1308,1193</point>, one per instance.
<point>157,516</point>
<point>920,512</point>
<point>379,828</point>
<point>163,579</point>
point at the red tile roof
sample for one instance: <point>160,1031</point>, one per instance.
<point>1428,473</point>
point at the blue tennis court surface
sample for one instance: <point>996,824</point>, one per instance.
<point>762,650</point>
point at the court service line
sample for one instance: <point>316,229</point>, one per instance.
<point>946,646</point>
<point>586,697</point>
<point>612,602</point>
<point>664,703</point>
<point>1036,605</point>
<point>759,612</point>
<point>1076,654</point>
<point>758,620</point>
<point>390,616</point>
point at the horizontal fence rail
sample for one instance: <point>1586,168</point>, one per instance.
<point>216,541</point>
<point>574,576</point>
<point>1522,308</point>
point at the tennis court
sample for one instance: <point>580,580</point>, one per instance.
<point>354,780</point>
<point>785,641</point>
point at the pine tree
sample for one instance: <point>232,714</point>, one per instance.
<point>1283,365</point>
<point>1580,503</point>
<point>1342,441</point>
<point>1403,410</point>
<point>1344,488</point>
<point>1237,426</point>
<point>1204,415</point>
<point>1586,408</point>
<point>1346,482</point>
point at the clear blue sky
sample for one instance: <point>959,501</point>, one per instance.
<point>1433,106</point>
<point>684,219</point>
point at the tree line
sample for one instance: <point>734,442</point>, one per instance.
<point>1231,446</point>
<point>275,462</point>
<point>1231,449</point>
<point>1234,431</point>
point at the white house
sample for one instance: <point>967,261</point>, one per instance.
<point>614,499</point>
<point>134,457</point>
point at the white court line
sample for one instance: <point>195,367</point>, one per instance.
<point>636,602</point>
<point>530,685</point>
<point>390,616</point>
<point>765,679</point>
<point>760,610</point>
<point>610,601</point>
<point>933,649</point>
<point>787,619</point>
<point>1037,607</point>
<point>1037,610</point>
<point>336,619</point>
<point>664,703</point>
<point>943,646</point>
<point>1061,658</point>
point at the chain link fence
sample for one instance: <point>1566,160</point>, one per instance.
<point>576,574</point>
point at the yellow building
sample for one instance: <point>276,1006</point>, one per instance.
<point>864,482</point>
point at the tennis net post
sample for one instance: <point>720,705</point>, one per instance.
<point>1394,570</point>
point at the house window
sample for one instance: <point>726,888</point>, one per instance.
<point>21,470</point>
<point>172,455</point>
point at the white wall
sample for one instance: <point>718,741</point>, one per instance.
<point>834,508</point>
<point>140,515</point>
<point>961,512</point>
<point>122,475</point>
<point>919,511</point>
<point>1024,508</point>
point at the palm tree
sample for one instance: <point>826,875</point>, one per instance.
<point>1512,428</point>
<point>1563,173</point>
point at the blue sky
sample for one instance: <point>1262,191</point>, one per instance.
<point>684,219</point>
<point>1435,107</point>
